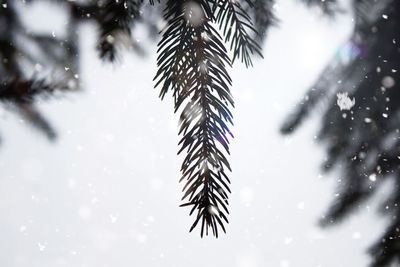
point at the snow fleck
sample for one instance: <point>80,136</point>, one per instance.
<point>42,247</point>
<point>344,101</point>
<point>212,210</point>
<point>22,228</point>
<point>38,67</point>
<point>288,141</point>
<point>4,5</point>
<point>367,120</point>
<point>284,263</point>
<point>110,39</point>
<point>372,177</point>
<point>384,16</point>
<point>276,6</point>
<point>356,235</point>
<point>388,82</point>
<point>385,115</point>
<point>141,238</point>
<point>113,218</point>
<point>72,84</point>
<point>362,155</point>
<point>288,240</point>
<point>300,205</point>
<point>205,37</point>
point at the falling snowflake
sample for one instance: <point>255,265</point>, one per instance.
<point>205,37</point>
<point>42,247</point>
<point>212,210</point>
<point>113,218</point>
<point>388,82</point>
<point>344,101</point>
<point>356,235</point>
<point>301,205</point>
<point>372,177</point>
<point>288,240</point>
<point>22,228</point>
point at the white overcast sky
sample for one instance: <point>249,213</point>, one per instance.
<point>106,194</point>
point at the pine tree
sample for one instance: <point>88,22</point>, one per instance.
<point>363,141</point>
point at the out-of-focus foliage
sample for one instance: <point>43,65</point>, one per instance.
<point>20,67</point>
<point>363,142</point>
<point>36,65</point>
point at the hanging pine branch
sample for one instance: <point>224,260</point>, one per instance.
<point>192,64</point>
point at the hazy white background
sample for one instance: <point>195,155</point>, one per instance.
<point>107,193</point>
